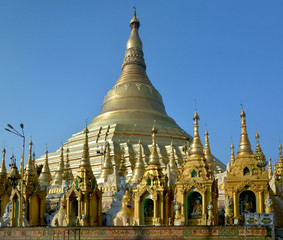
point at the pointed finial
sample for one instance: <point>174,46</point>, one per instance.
<point>270,173</point>
<point>135,23</point>
<point>196,116</point>
<point>244,146</point>
<point>232,145</point>
<point>3,170</point>
<point>154,129</point>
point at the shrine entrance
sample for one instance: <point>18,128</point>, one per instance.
<point>147,211</point>
<point>247,201</point>
<point>193,208</point>
<point>74,215</point>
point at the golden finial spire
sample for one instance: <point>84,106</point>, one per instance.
<point>29,166</point>
<point>122,171</point>
<point>45,175</point>
<point>172,161</point>
<point>154,158</point>
<point>107,167</point>
<point>196,145</point>
<point>208,155</point>
<point>259,156</point>
<point>139,167</point>
<point>134,45</point>
<point>85,158</point>
<point>279,165</point>
<point>59,173</point>
<point>33,162</point>
<point>244,146</point>
<point>68,175</point>
<point>270,174</point>
<point>232,160</point>
<point>3,170</point>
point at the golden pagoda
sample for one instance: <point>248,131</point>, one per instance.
<point>196,190</point>
<point>139,167</point>
<point>153,197</point>
<point>58,179</point>
<point>279,166</point>
<point>45,175</point>
<point>126,116</point>
<point>33,196</point>
<point>247,183</point>
<point>84,199</point>
<point>5,186</point>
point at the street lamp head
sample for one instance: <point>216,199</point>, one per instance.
<point>22,125</point>
<point>10,126</point>
<point>7,129</point>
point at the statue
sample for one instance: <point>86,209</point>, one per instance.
<point>60,217</point>
<point>210,219</point>
<point>125,216</point>
<point>177,208</point>
<point>248,205</point>
<point>197,209</point>
<point>228,211</point>
<point>268,204</point>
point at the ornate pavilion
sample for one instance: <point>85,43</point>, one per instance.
<point>133,165</point>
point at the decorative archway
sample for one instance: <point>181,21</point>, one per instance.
<point>147,210</point>
<point>74,211</point>
<point>247,202</point>
<point>194,205</point>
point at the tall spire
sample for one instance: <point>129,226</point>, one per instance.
<point>29,167</point>
<point>270,174</point>
<point>68,175</point>
<point>207,153</point>
<point>133,96</point>
<point>196,145</point>
<point>279,165</point>
<point>232,159</point>
<point>259,156</point>
<point>139,167</point>
<point>3,171</point>
<point>33,162</point>
<point>59,173</point>
<point>244,146</point>
<point>45,175</point>
<point>85,162</point>
<point>154,158</point>
<point>172,161</point>
<point>107,167</point>
<point>134,44</point>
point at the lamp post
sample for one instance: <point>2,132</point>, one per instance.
<point>22,135</point>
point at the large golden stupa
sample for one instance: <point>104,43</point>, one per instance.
<point>128,113</point>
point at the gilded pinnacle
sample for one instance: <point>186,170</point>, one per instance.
<point>154,158</point>
<point>45,176</point>
<point>3,170</point>
<point>244,146</point>
<point>196,145</point>
<point>29,166</point>
<point>139,167</point>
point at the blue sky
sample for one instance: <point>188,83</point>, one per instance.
<point>59,58</point>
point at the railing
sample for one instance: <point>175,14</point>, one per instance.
<point>65,232</point>
<point>259,219</point>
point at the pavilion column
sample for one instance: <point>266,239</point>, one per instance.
<point>235,205</point>
<point>155,208</point>
<point>204,204</point>
<point>68,212</point>
<point>162,210</point>
<point>166,211</point>
<point>260,202</point>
